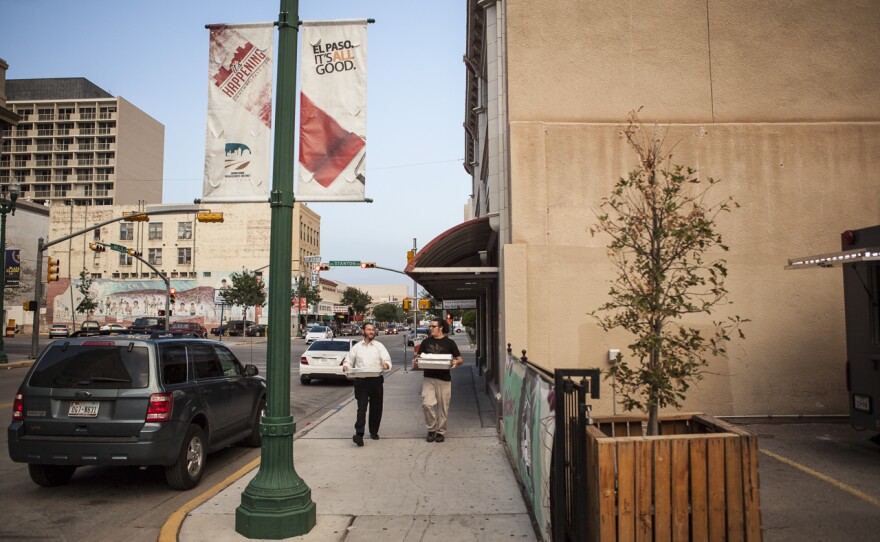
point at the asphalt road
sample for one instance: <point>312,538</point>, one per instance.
<point>112,504</point>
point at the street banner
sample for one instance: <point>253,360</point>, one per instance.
<point>238,143</point>
<point>333,111</point>
<point>13,267</point>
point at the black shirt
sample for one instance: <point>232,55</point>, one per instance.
<point>439,346</point>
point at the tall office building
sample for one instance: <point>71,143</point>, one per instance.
<point>79,145</point>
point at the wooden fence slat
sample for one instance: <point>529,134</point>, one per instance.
<point>680,491</point>
<point>751,489</point>
<point>734,494</point>
<point>592,481</point>
<point>699,491</point>
<point>626,490</point>
<point>662,490</point>
<point>715,476</point>
<point>644,491</point>
<point>606,498</point>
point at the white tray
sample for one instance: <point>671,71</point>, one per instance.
<point>424,362</point>
<point>363,372</point>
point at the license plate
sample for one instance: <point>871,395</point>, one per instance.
<point>83,409</point>
<point>326,361</point>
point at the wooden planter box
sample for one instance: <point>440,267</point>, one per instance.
<point>696,481</point>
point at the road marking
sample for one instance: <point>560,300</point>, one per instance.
<point>839,485</point>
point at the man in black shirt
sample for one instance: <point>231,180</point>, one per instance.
<point>437,386</point>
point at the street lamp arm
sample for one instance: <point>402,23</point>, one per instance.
<point>48,244</point>
<point>389,269</point>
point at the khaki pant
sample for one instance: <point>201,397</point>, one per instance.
<point>436,395</point>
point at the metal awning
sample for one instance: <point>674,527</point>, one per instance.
<point>457,263</point>
<point>836,258</point>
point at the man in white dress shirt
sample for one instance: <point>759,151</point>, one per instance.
<point>371,354</point>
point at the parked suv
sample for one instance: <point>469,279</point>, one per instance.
<point>114,400</point>
<point>191,327</point>
<point>233,328</point>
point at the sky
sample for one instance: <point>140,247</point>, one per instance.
<point>155,55</point>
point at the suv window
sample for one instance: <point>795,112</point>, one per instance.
<point>173,363</point>
<point>86,366</point>
<point>228,363</point>
<point>205,362</point>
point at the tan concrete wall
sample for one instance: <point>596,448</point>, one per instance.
<point>140,152</point>
<point>694,60</point>
<point>799,186</point>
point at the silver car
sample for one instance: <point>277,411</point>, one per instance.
<point>318,332</point>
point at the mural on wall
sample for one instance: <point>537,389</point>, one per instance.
<point>529,428</point>
<point>121,301</point>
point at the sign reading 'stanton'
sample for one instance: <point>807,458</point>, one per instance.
<point>333,111</point>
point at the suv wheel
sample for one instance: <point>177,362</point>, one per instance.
<point>255,439</point>
<point>50,475</point>
<point>186,472</point>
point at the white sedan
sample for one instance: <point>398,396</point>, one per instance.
<point>324,359</point>
<point>318,332</point>
<point>114,328</point>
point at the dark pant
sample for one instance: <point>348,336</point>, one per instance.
<point>368,391</point>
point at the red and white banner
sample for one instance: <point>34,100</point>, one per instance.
<point>333,111</point>
<point>238,143</point>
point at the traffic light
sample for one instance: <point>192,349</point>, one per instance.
<point>410,254</point>
<point>96,247</point>
<point>172,295</point>
<point>368,265</point>
<point>133,252</point>
<point>407,304</point>
<point>136,216</point>
<point>424,304</point>
<point>209,217</point>
<point>52,266</point>
<point>29,306</point>
<point>324,267</point>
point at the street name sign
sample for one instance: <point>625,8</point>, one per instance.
<point>459,303</point>
<point>312,259</point>
<point>345,263</point>
<point>118,248</point>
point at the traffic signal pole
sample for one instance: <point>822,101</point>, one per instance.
<point>277,503</point>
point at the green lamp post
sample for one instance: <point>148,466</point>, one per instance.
<point>7,206</point>
<point>277,503</point>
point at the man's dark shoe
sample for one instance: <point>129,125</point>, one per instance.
<point>439,437</point>
<point>431,436</point>
<point>374,436</point>
<point>358,439</point>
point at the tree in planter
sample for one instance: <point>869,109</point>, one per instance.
<point>356,299</point>
<point>84,287</point>
<point>247,290</point>
<point>663,232</point>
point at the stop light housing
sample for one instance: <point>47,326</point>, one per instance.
<point>52,269</point>
<point>209,217</point>
<point>324,267</point>
<point>29,305</point>
<point>368,265</point>
<point>172,295</point>
<point>96,247</point>
<point>133,252</point>
<point>136,216</point>
<point>410,254</point>
<point>424,304</point>
<point>407,304</point>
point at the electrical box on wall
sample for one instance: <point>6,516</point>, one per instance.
<point>612,354</point>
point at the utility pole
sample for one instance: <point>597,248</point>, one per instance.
<point>277,503</point>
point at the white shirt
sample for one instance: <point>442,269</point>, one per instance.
<point>368,355</point>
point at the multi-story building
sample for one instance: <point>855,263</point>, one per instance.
<point>197,257</point>
<point>79,145</point>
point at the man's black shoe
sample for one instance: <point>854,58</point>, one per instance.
<point>439,437</point>
<point>431,436</point>
<point>358,439</point>
<point>374,436</point>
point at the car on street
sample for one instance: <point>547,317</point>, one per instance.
<point>189,327</point>
<point>233,328</point>
<point>256,330</point>
<point>147,324</point>
<point>133,401</point>
<point>323,359</point>
<point>114,328</point>
<point>59,330</point>
<point>89,327</point>
<point>416,336</point>
<point>318,332</point>
<point>346,330</point>
<point>391,329</point>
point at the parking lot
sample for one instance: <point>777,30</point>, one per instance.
<point>819,481</point>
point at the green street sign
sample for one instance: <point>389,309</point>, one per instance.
<point>118,248</point>
<point>346,263</point>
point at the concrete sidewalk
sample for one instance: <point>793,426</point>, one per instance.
<point>399,488</point>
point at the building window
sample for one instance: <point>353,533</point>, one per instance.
<point>206,273</point>
<point>96,275</point>
<point>184,230</point>
<point>98,234</point>
<point>124,259</point>
<point>126,232</point>
<point>154,256</point>
<point>184,256</point>
<point>155,231</point>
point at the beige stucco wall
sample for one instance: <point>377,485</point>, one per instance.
<point>139,155</point>
<point>779,100</point>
